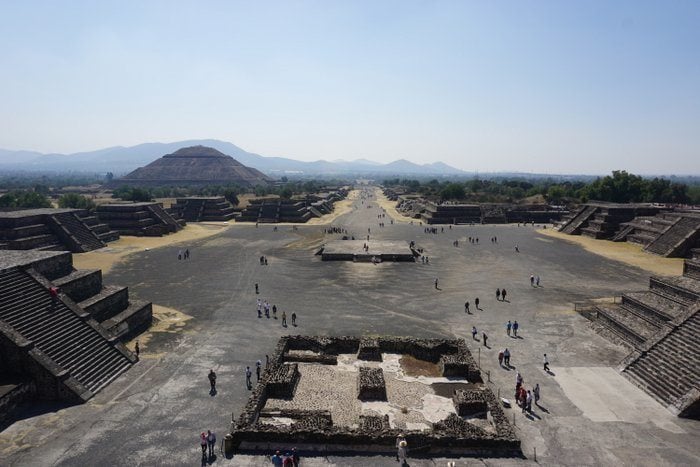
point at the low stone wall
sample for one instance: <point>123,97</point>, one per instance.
<point>369,350</point>
<point>282,380</point>
<point>469,403</point>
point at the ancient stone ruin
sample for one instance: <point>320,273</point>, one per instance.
<point>660,325</point>
<point>139,219</point>
<point>319,392</point>
<point>192,166</point>
<point>73,230</point>
<point>68,346</point>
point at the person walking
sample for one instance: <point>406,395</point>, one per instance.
<point>466,307</point>
<point>474,332</point>
<point>476,302</point>
<point>508,326</point>
<point>257,289</point>
<point>536,393</point>
<point>402,452</point>
<point>248,374</point>
<point>137,349</point>
<point>274,311</point>
<point>277,459</point>
<point>532,280</point>
<point>399,439</point>
<point>212,380</point>
<point>295,457</point>
<point>436,283</point>
<point>537,281</point>
<point>284,319</point>
<point>484,337</point>
<point>498,295</point>
<point>203,443</point>
<point>545,362</point>
<point>503,294</point>
<point>506,357</point>
<point>211,442</point>
<point>500,358</point>
<point>528,402</point>
<point>516,326</point>
<point>294,319</point>
<point>258,367</point>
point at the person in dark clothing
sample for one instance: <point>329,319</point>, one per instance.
<point>212,379</point>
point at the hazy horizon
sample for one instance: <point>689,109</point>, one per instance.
<point>533,87</point>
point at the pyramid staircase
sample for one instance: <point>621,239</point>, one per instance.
<point>60,337</point>
<point>662,326</point>
<point>678,237</point>
<point>573,226</point>
<point>74,230</point>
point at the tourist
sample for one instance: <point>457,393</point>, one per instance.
<point>466,307</point>
<point>284,319</point>
<point>258,366</point>
<point>274,311</point>
<point>484,337</point>
<point>532,280</point>
<point>203,443</point>
<point>518,379</point>
<point>295,457</point>
<point>436,283</point>
<point>500,358</point>
<point>537,281</point>
<point>498,294</point>
<point>211,442</point>
<point>294,319</point>
<point>508,326</point>
<point>187,253</point>
<point>212,380</point>
<point>517,250</point>
<point>277,459</point>
<point>248,374</point>
<point>287,462</point>
<point>503,294</point>
<point>137,349</point>
<point>179,255</point>
<point>474,332</point>
<point>402,452</point>
<point>536,393</point>
<point>516,326</point>
<point>528,401</point>
<point>257,290</point>
<point>545,362</point>
<point>399,439</point>
<point>476,302</point>
<point>53,292</point>
<point>506,357</point>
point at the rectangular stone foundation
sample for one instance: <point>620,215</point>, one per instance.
<point>371,385</point>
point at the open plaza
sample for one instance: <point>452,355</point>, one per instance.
<point>206,317</point>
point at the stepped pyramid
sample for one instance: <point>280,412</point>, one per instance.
<point>195,165</point>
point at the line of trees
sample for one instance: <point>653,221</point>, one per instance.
<point>619,187</point>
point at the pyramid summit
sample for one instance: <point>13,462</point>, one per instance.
<point>194,165</point>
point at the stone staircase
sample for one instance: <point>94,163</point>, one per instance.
<point>85,239</point>
<point>56,328</point>
<point>573,226</point>
<point>164,217</point>
<point>621,235</point>
<point>677,238</point>
<point>101,230</point>
<point>668,370</point>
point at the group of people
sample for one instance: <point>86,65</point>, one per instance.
<point>534,280</point>
<point>183,254</point>
<point>466,305</point>
<point>289,459</point>
<point>512,327</point>
<point>501,294</point>
<point>524,397</point>
<point>207,441</point>
<point>335,230</point>
<point>263,260</point>
<point>264,307</point>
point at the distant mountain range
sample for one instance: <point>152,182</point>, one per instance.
<point>120,160</point>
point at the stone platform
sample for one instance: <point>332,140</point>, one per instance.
<point>353,250</point>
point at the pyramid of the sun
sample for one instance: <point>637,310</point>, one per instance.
<point>196,165</point>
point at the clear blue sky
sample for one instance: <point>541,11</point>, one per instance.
<point>536,86</point>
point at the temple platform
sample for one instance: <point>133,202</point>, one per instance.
<point>378,251</point>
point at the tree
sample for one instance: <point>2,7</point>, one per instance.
<point>452,191</point>
<point>286,192</point>
<point>24,199</point>
<point>76,201</point>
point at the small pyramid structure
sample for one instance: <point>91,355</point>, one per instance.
<point>195,165</point>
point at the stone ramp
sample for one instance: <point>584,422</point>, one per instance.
<point>76,347</point>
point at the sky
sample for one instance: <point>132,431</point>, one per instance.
<point>533,86</point>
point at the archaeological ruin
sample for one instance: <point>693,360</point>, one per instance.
<point>148,219</point>
<point>61,329</point>
<point>194,166</point>
<point>373,398</point>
